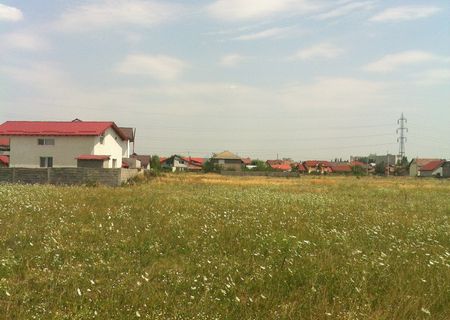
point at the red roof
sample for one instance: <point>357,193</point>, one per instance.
<point>195,161</point>
<point>341,168</point>
<point>315,163</point>
<point>301,167</point>
<point>4,142</point>
<point>4,159</point>
<point>283,167</point>
<point>58,128</point>
<point>358,164</point>
<point>92,157</point>
<point>432,165</point>
<point>247,161</point>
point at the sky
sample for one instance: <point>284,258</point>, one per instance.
<point>304,79</point>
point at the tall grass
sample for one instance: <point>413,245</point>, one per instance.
<point>209,247</point>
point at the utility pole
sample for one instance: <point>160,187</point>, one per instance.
<point>401,131</point>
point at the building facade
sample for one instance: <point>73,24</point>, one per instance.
<point>64,144</point>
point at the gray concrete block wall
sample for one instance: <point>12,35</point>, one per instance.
<point>67,176</point>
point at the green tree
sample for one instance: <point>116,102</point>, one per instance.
<point>209,166</point>
<point>155,163</point>
<point>260,165</point>
<point>380,168</point>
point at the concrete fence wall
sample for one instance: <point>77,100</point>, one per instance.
<point>261,174</point>
<point>67,176</point>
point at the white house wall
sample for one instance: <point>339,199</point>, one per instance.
<point>112,146</point>
<point>25,151</point>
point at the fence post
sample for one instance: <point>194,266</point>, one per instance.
<point>13,175</point>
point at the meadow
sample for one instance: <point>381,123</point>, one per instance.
<point>210,247</point>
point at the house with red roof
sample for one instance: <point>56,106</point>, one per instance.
<point>281,167</point>
<point>42,144</point>
<point>179,163</point>
<point>341,168</point>
<point>416,164</point>
<point>317,166</point>
<point>432,168</point>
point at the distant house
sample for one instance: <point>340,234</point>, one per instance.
<point>317,166</point>
<point>35,144</point>
<point>281,167</point>
<point>179,163</point>
<point>247,161</point>
<point>432,169</point>
<point>341,168</point>
<point>301,168</point>
<point>446,169</point>
<point>144,159</point>
<point>416,165</point>
<point>227,161</point>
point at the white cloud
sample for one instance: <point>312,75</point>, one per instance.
<point>266,34</point>
<point>160,67</point>
<point>434,77</point>
<point>391,62</point>
<point>110,13</point>
<point>235,10</point>
<point>345,9</point>
<point>23,41</point>
<point>405,13</point>
<point>334,93</point>
<point>231,60</point>
<point>321,50</point>
<point>10,13</point>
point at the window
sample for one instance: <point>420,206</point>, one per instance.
<point>114,163</point>
<point>102,139</point>
<point>46,162</point>
<point>46,142</point>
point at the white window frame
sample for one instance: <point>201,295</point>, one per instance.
<point>47,162</point>
<point>46,141</point>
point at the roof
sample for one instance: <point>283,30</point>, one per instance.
<point>4,159</point>
<point>301,167</point>
<point>4,142</point>
<point>58,128</point>
<point>358,164</point>
<point>247,161</point>
<point>341,168</point>
<point>226,155</point>
<point>129,133</point>
<point>422,161</point>
<point>144,159</point>
<point>199,161</point>
<point>92,157</point>
<point>432,165</point>
<point>283,167</point>
<point>314,163</point>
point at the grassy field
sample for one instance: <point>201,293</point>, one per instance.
<point>208,247</point>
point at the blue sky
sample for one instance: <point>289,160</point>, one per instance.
<point>298,78</point>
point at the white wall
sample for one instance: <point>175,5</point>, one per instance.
<point>25,151</point>
<point>112,146</point>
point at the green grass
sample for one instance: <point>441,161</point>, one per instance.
<point>208,247</point>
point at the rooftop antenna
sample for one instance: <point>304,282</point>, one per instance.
<point>401,131</point>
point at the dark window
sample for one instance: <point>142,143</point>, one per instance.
<point>46,142</point>
<point>46,162</point>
